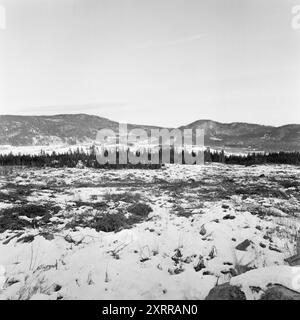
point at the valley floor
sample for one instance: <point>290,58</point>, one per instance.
<point>172,233</point>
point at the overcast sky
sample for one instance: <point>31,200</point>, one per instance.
<point>164,62</point>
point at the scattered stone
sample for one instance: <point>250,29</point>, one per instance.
<point>56,287</point>
<point>228,217</point>
<point>177,256</point>
<point>225,206</point>
<point>176,270</point>
<point>262,245</point>
<point>273,248</point>
<point>213,252</point>
<point>202,230</point>
<point>200,265</point>
<point>243,245</point>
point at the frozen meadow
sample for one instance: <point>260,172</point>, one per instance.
<point>171,233</point>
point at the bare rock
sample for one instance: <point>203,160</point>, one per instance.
<point>200,265</point>
<point>279,292</point>
<point>228,217</point>
<point>226,292</point>
<point>203,230</point>
<point>274,248</point>
<point>293,260</point>
<point>243,245</point>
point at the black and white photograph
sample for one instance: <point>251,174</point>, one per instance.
<point>149,150</point>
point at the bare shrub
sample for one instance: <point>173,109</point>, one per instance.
<point>110,222</point>
<point>140,209</point>
<point>9,217</point>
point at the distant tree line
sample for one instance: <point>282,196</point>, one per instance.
<point>81,158</point>
<point>265,158</point>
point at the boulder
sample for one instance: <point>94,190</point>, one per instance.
<point>226,291</point>
<point>279,292</point>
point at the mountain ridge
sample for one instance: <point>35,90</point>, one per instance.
<point>20,130</point>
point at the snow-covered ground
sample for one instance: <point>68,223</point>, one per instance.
<point>208,225</point>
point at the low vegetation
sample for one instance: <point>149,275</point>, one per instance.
<point>14,218</point>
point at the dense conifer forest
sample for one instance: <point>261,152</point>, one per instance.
<point>79,158</point>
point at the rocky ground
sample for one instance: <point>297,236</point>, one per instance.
<point>181,232</point>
